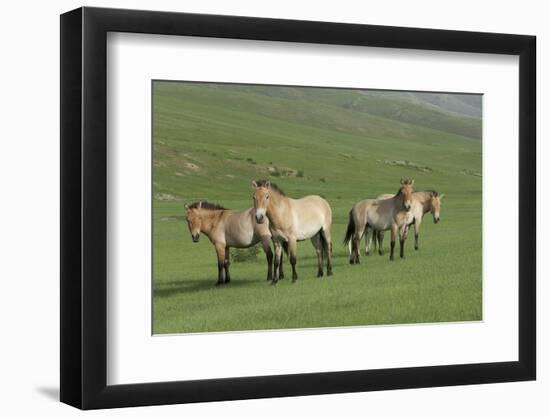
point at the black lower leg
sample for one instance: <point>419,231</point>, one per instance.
<point>220,273</point>
<point>416,241</point>
<point>329,259</point>
<point>226,269</point>
<point>269,256</point>
<point>402,248</point>
<point>392,248</point>
<point>293,263</point>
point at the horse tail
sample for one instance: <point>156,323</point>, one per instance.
<point>351,228</point>
<point>285,246</point>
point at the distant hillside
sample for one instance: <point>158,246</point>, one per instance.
<point>459,104</point>
<point>453,113</point>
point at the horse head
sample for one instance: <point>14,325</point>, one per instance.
<point>262,192</point>
<point>435,205</point>
<point>406,190</point>
<point>194,220</point>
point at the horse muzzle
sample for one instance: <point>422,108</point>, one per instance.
<point>260,219</point>
<point>436,220</point>
<point>195,238</point>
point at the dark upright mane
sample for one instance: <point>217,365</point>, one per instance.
<point>206,205</point>
<point>272,186</point>
<point>433,193</point>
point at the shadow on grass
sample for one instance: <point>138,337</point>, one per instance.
<point>190,286</point>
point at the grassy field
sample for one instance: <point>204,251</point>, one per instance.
<point>211,141</point>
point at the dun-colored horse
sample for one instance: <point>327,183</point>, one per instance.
<point>227,229</point>
<point>292,220</point>
<point>381,214</point>
<point>422,203</point>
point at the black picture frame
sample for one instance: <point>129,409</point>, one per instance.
<point>84,207</point>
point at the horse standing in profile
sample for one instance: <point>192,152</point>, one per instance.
<point>292,220</point>
<point>229,228</point>
<point>381,214</point>
<point>422,203</point>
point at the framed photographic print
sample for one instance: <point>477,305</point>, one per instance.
<point>257,208</point>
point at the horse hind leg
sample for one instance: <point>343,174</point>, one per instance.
<point>368,240</point>
<point>316,241</point>
<point>326,240</point>
<point>380,242</point>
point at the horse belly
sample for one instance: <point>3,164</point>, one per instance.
<point>378,222</point>
<point>240,240</point>
<point>307,231</point>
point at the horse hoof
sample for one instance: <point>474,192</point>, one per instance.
<point>416,248</point>
<point>329,273</point>
<point>273,282</point>
<point>391,258</point>
<point>219,284</point>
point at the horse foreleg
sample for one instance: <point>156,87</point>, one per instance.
<point>281,257</point>
<point>226,263</point>
<point>277,261</point>
<point>402,237</point>
<point>292,252</point>
<point>220,253</point>
<point>392,244</point>
<point>269,257</point>
<point>416,232</point>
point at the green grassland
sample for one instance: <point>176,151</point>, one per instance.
<point>210,141</point>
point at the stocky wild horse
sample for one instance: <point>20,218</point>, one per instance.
<point>229,229</point>
<point>381,214</point>
<point>292,220</point>
<point>422,203</point>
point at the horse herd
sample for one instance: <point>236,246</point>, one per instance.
<point>285,221</point>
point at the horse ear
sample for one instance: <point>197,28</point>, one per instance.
<point>412,182</point>
<point>200,204</point>
<point>186,206</point>
<point>254,185</point>
<point>268,184</point>
<point>402,181</point>
<point>441,196</point>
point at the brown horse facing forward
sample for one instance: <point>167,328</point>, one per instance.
<point>422,203</point>
<point>292,220</point>
<point>229,228</point>
<point>381,214</point>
